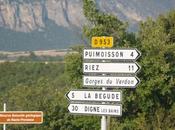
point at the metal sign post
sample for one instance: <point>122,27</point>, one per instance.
<point>4,125</point>
<point>104,118</point>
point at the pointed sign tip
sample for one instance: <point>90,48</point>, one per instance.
<point>67,95</point>
<point>138,53</point>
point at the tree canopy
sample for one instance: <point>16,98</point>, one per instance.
<point>150,106</point>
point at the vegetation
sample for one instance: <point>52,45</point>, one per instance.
<point>3,56</point>
<point>33,57</point>
<point>151,106</point>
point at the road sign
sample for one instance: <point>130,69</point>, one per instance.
<point>21,117</point>
<point>110,67</point>
<point>100,42</point>
<point>95,109</point>
<point>110,81</point>
<point>90,95</point>
<point>111,54</point>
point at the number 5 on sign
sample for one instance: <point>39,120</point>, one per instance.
<point>100,42</point>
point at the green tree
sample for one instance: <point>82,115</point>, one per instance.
<point>156,98</point>
<point>103,24</point>
<point>73,67</point>
<point>151,104</point>
<point>36,87</point>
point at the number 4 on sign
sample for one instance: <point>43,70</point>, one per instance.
<point>132,54</point>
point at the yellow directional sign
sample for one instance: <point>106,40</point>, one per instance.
<point>102,42</point>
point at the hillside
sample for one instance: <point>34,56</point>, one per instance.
<point>50,37</point>
<point>50,24</point>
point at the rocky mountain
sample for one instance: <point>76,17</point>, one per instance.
<point>28,15</point>
<point>134,11</point>
<point>46,18</point>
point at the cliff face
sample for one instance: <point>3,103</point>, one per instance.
<point>65,12</point>
<point>52,24</point>
<point>28,15</point>
<point>25,16</point>
<point>21,16</point>
<point>134,11</point>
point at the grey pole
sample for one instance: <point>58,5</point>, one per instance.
<point>4,125</point>
<point>103,119</point>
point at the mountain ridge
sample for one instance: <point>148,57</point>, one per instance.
<point>64,18</point>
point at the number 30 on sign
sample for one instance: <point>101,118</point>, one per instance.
<point>100,42</point>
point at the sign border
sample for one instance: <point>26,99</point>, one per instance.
<point>93,37</point>
<point>139,68</point>
<point>97,114</point>
<point>121,95</point>
<point>115,87</point>
<point>139,54</point>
